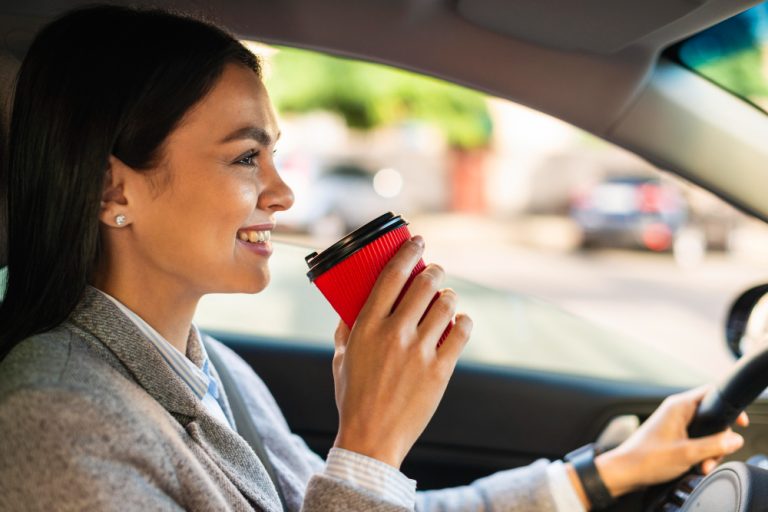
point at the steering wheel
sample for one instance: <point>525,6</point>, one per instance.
<point>735,486</point>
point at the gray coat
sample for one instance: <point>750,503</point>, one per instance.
<point>92,418</point>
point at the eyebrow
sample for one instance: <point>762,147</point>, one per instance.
<point>250,132</point>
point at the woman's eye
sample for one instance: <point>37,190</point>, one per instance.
<point>247,159</point>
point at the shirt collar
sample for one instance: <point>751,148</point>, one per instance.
<point>196,376</point>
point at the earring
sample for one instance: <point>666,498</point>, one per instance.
<point>120,220</point>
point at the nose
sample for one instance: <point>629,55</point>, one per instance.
<point>277,195</point>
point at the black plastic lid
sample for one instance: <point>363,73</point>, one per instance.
<point>350,244</point>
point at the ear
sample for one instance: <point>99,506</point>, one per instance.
<point>113,197</point>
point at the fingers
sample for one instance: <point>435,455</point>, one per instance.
<point>713,447</point>
<point>438,317</point>
<point>451,348</point>
<point>686,403</point>
<point>708,466</point>
<point>695,395</point>
<point>393,277</point>
<point>691,397</point>
<point>420,294</point>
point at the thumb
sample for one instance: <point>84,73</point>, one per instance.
<point>686,403</point>
<point>714,446</point>
<point>341,336</point>
<point>340,339</point>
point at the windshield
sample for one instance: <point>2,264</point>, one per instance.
<point>733,54</point>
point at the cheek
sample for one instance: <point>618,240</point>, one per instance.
<point>235,206</point>
<point>227,209</point>
<point>193,223</point>
<point>244,195</point>
<point>223,196</point>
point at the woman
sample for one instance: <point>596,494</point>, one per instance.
<point>140,177</point>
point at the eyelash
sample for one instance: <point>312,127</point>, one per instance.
<point>250,155</point>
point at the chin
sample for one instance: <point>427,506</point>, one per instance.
<point>256,279</point>
<point>258,283</point>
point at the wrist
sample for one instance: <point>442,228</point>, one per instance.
<point>573,477</point>
<point>372,449</point>
<point>587,480</point>
<point>616,471</point>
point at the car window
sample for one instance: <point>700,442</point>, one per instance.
<point>572,255</point>
<point>732,54</point>
<point>511,329</point>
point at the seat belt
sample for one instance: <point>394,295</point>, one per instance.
<point>243,422</point>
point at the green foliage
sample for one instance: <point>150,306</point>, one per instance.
<point>733,53</point>
<point>740,72</point>
<point>369,95</point>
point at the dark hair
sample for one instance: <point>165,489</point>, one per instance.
<point>97,81</point>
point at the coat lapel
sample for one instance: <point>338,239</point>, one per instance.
<point>99,317</point>
<point>236,459</point>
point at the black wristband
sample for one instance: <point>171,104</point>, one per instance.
<point>583,461</point>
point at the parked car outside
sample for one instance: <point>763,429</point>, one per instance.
<point>346,195</point>
<point>630,211</point>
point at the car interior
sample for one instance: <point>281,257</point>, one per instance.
<point>601,66</point>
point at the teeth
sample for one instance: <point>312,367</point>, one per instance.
<point>255,236</point>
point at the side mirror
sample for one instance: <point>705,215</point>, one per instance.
<point>746,328</point>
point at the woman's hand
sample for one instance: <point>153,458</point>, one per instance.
<point>388,373</point>
<point>660,450</point>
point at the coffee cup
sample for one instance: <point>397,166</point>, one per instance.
<point>346,271</point>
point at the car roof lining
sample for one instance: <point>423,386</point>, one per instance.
<point>594,26</point>
<point>571,75</point>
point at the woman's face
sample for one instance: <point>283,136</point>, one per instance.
<point>200,220</point>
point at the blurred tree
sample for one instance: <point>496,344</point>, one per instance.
<point>732,53</point>
<point>369,95</point>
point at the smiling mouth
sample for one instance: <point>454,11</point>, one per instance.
<point>254,237</point>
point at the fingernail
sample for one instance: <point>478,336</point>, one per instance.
<point>418,240</point>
